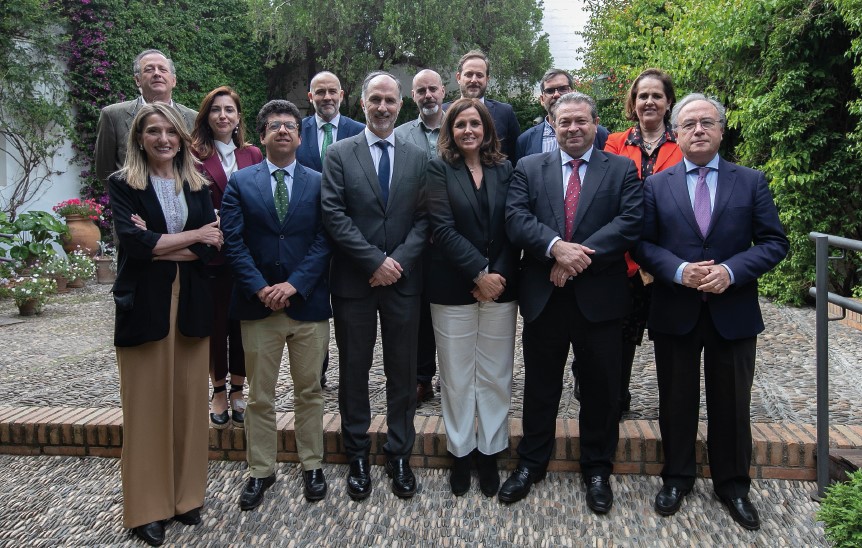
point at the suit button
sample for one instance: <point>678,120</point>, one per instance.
<point>281,237</point>
<point>277,263</point>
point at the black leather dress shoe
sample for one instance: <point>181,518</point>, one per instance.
<point>742,512</point>
<point>252,494</point>
<point>314,485</point>
<point>600,498</point>
<point>403,480</point>
<point>518,485</point>
<point>669,499</point>
<point>151,533</point>
<point>192,517</point>
<point>358,479</point>
<point>489,477</point>
<point>459,476</point>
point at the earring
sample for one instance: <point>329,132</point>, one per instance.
<point>179,148</point>
<point>235,130</point>
<point>140,147</point>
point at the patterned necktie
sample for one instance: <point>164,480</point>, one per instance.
<point>702,209</point>
<point>282,199</point>
<point>383,169</point>
<point>573,194</point>
<point>327,139</point>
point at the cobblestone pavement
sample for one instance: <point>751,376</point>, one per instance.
<point>65,357</point>
<point>79,503</point>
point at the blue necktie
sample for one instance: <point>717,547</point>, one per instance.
<point>383,170</point>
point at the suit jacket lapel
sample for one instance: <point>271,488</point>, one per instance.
<point>553,178</point>
<point>363,158</point>
<point>297,190</point>
<point>132,111</point>
<point>463,180</point>
<point>723,191</point>
<point>214,169</point>
<point>490,180</point>
<point>594,178</point>
<point>264,185</point>
<point>679,191</point>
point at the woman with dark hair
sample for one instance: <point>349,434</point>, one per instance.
<point>472,291</point>
<point>219,143</point>
<point>167,232</point>
<point>651,144</point>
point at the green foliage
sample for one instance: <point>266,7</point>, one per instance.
<point>32,235</point>
<point>358,36</point>
<point>33,111</point>
<point>841,512</point>
<point>786,71</point>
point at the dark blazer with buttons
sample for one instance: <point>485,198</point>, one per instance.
<point>142,290</point>
<point>364,229</point>
<point>505,123</point>
<point>744,233</point>
<point>608,219</point>
<point>264,251</point>
<point>530,142</point>
<point>308,153</point>
<point>466,240</point>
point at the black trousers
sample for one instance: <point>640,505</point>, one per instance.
<point>546,346</point>
<point>356,335</point>
<point>728,367</point>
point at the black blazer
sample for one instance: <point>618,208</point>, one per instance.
<point>464,239</point>
<point>142,291</point>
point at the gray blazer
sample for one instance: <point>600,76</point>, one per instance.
<point>364,230</point>
<point>413,133</point>
<point>112,134</point>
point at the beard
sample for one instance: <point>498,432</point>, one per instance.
<point>430,111</point>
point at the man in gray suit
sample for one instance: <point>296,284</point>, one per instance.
<point>373,202</point>
<point>428,92</point>
<point>155,76</point>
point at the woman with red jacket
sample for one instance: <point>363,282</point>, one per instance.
<point>651,144</point>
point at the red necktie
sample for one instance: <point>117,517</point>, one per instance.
<point>573,193</point>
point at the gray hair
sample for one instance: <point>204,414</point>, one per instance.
<point>374,75</point>
<point>554,72</point>
<point>136,65</point>
<point>692,97</point>
<point>574,97</point>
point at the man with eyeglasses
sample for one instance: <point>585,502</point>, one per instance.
<point>711,229</point>
<point>155,77</point>
<point>541,138</point>
<point>279,251</point>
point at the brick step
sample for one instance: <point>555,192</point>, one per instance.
<point>781,451</point>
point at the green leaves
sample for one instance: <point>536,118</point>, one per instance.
<point>841,512</point>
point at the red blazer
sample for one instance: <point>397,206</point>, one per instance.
<point>668,155</point>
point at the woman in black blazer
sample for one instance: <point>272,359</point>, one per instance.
<point>167,231</point>
<point>471,286</point>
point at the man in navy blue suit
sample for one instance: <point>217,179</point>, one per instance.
<point>327,125</point>
<point>541,138</point>
<point>472,78</point>
<point>279,252</point>
<point>711,230</point>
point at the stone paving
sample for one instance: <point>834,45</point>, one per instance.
<point>64,357</point>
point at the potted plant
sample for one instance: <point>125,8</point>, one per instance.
<point>81,217</point>
<point>81,268</point>
<point>56,267</point>
<point>106,264</point>
<point>29,293</point>
<point>30,235</point>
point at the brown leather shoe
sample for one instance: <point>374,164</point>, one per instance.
<point>424,392</point>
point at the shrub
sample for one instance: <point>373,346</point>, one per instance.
<point>841,511</point>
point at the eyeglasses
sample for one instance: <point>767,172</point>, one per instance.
<point>707,124</point>
<point>275,126</point>
<point>562,90</point>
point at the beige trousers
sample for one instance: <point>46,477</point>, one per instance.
<point>264,341</point>
<point>163,391</point>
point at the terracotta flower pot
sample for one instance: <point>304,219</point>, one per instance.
<point>82,232</point>
<point>77,283</point>
<point>28,308</point>
<point>104,272</point>
<point>62,284</point>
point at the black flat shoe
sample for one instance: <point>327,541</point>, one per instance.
<point>252,494</point>
<point>742,512</point>
<point>237,407</point>
<point>459,476</point>
<point>359,479</point>
<point>151,533</point>
<point>220,421</point>
<point>489,476</point>
<point>518,485</point>
<point>403,480</point>
<point>314,485</point>
<point>192,517</point>
<point>600,497</point>
<point>669,499</point>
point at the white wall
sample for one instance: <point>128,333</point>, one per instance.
<point>562,21</point>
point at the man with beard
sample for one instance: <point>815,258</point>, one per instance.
<point>373,201</point>
<point>327,126</point>
<point>428,92</point>
<point>541,137</point>
<point>472,78</point>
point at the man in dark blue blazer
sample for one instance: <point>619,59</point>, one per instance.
<point>540,138</point>
<point>472,78</point>
<point>279,251</point>
<point>325,94</point>
<point>575,212</point>
<point>711,230</point>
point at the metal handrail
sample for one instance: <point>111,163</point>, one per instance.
<point>823,297</point>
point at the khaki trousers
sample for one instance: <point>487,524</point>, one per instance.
<point>163,392</point>
<point>264,341</point>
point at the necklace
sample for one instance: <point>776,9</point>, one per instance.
<point>648,145</point>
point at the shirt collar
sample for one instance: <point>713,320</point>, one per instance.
<point>425,127</point>
<point>585,157</point>
<point>371,138</point>
<point>289,168</point>
<point>712,164</point>
<point>320,121</point>
<point>548,129</point>
<point>224,148</point>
